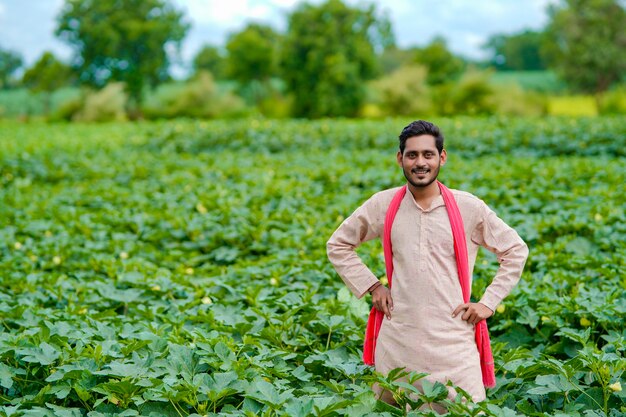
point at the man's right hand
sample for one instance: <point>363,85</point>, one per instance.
<point>381,298</point>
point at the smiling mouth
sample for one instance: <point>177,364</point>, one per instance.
<point>420,171</point>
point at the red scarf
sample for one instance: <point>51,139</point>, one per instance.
<point>460,251</point>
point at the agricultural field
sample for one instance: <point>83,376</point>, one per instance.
<point>179,268</point>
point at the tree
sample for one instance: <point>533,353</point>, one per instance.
<point>520,52</point>
<point>9,63</point>
<point>252,60</point>
<point>442,65</point>
<point>394,58</point>
<point>252,54</point>
<point>121,40</point>
<point>210,59</point>
<point>587,43</point>
<point>328,53</point>
<point>47,75</point>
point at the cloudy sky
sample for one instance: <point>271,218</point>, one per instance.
<point>27,26</point>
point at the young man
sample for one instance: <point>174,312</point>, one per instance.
<point>427,327</point>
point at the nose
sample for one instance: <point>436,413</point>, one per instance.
<point>420,160</point>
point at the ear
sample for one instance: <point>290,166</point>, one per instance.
<point>443,157</point>
<point>399,158</point>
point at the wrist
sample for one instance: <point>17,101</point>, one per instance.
<point>373,287</point>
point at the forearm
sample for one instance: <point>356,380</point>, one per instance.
<point>362,225</point>
<point>358,278</point>
<point>512,263</point>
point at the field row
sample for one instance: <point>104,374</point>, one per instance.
<point>180,268</point>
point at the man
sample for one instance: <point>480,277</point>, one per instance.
<point>427,327</point>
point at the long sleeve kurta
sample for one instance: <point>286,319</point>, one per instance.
<point>422,335</point>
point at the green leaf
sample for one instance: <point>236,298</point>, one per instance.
<point>591,398</point>
<point>266,393</point>
<point>551,383</point>
<point>64,412</point>
<point>433,392</point>
<point>9,411</point>
<point>497,411</point>
<point>6,375</point>
<point>45,354</point>
<point>301,374</point>
<point>299,407</point>
<point>123,296</point>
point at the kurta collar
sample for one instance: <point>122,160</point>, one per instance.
<point>437,202</point>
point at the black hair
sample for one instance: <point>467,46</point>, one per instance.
<point>418,128</point>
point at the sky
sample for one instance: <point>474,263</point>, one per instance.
<point>27,26</point>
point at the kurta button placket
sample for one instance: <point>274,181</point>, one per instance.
<point>422,242</point>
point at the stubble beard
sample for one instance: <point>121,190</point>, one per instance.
<point>421,184</point>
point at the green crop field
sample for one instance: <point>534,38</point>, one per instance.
<point>179,268</point>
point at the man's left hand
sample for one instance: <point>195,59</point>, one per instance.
<point>474,312</point>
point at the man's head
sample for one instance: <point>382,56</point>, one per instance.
<point>418,128</point>
<point>421,153</point>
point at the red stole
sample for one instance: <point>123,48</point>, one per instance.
<point>460,251</point>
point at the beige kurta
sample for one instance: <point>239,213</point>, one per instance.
<point>422,335</point>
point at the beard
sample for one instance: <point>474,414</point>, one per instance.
<point>423,183</point>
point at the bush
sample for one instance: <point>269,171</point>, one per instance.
<point>276,106</point>
<point>105,105</point>
<point>613,101</point>
<point>471,95</point>
<point>402,93</point>
<point>198,97</point>
<point>67,110</point>
<point>512,100</point>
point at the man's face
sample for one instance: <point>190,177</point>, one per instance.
<point>421,160</point>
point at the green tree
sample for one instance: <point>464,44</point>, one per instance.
<point>394,58</point>
<point>442,65</point>
<point>328,53</point>
<point>587,43</point>
<point>47,75</point>
<point>9,63</point>
<point>252,61</point>
<point>520,52</point>
<point>121,40</point>
<point>211,59</point>
<point>252,54</point>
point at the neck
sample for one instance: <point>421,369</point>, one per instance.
<point>425,193</point>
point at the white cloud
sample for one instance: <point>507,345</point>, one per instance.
<point>214,11</point>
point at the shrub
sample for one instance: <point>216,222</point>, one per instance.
<point>67,110</point>
<point>404,92</point>
<point>613,101</point>
<point>512,100</point>
<point>198,97</point>
<point>473,95</point>
<point>105,105</point>
<point>277,106</point>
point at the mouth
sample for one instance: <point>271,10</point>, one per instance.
<point>420,171</point>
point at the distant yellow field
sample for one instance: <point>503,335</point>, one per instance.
<point>572,106</point>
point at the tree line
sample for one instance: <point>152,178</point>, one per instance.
<point>323,61</point>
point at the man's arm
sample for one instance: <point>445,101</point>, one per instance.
<point>362,225</point>
<point>498,237</point>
